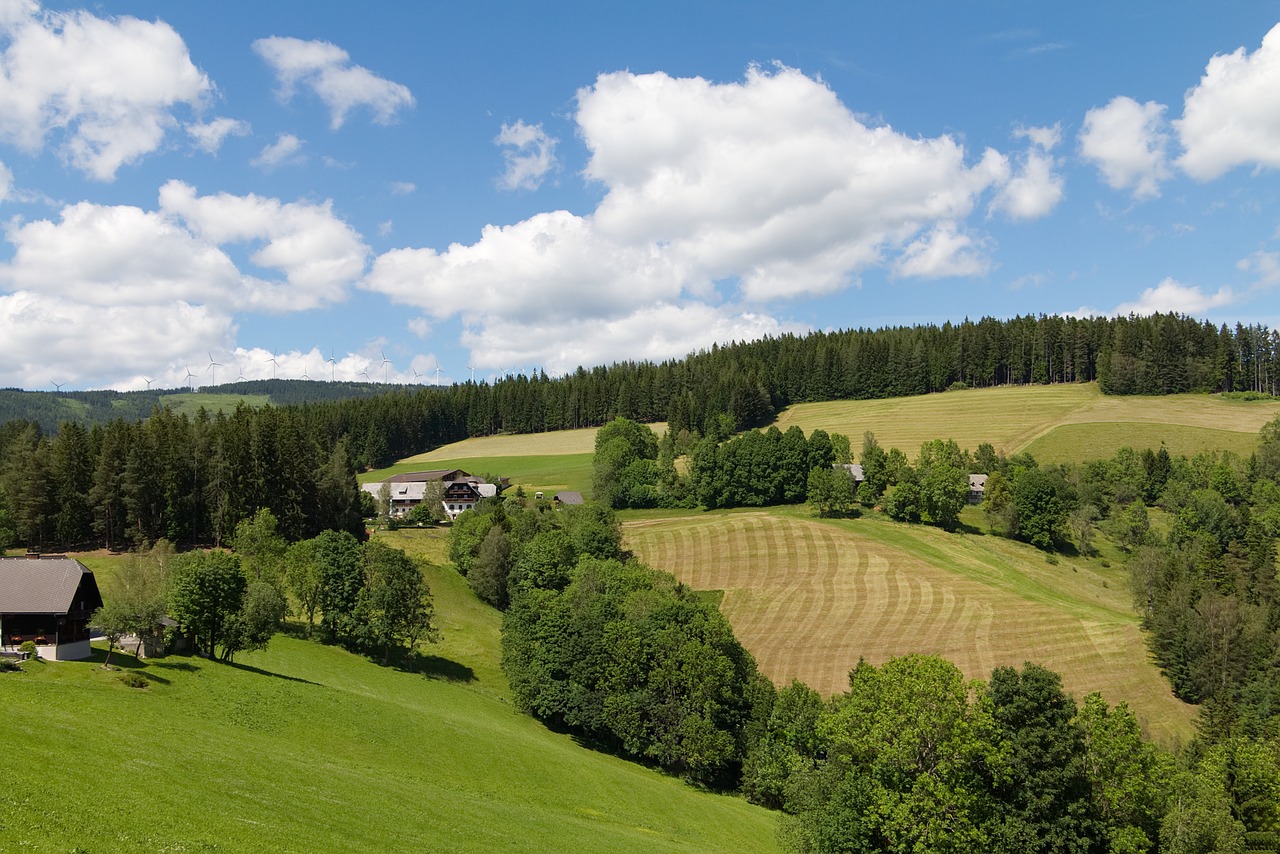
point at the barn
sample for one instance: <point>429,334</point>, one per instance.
<point>47,600</point>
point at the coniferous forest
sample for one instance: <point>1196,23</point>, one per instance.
<point>128,480</point>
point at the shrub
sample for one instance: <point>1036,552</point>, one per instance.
<point>134,679</point>
<point>29,647</point>
<point>9,665</point>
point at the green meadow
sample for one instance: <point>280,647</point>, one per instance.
<point>532,473</point>
<point>189,403</point>
<point>1056,423</point>
<point>306,747</point>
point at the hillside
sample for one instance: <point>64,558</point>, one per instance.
<point>305,747</point>
<point>51,408</point>
<point>809,597</point>
<point>1057,423</point>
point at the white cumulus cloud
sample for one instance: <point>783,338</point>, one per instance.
<point>285,151</point>
<point>1232,117</point>
<point>529,152</point>
<point>713,194</point>
<point>106,88</point>
<point>209,136</point>
<point>1035,189</point>
<point>328,71</point>
<point>116,292</point>
<point>1173,296</point>
<point>1128,142</point>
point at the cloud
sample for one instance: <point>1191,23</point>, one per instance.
<point>327,70</point>
<point>713,194</point>
<point>6,182</point>
<point>209,136</point>
<point>134,291</point>
<point>1265,266</point>
<point>1172,296</point>
<point>1035,189</point>
<point>656,332</point>
<point>105,87</point>
<point>942,252</point>
<point>402,188</point>
<point>1232,117</point>
<point>319,254</point>
<point>283,152</point>
<point>529,153</point>
<point>1128,141</point>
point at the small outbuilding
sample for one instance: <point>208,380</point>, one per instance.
<point>568,497</point>
<point>47,600</point>
<point>977,488</point>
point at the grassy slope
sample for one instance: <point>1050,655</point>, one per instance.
<point>191,402</point>
<point>547,462</point>
<point>550,473</point>
<point>305,747</point>
<point>1057,423</point>
<point>810,597</point>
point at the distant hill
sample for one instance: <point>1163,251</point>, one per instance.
<point>51,408</point>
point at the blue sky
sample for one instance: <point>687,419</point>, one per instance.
<point>388,188</point>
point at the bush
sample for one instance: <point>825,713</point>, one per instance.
<point>29,647</point>
<point>9,665</point>
<point>134,679</point>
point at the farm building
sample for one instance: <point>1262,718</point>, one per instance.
<point>854,470</point>
<point>568,497</point>
<point>408,490</point>
<point>977,488</point>
<point>47,600</point>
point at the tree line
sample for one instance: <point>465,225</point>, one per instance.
<point>371,598</point>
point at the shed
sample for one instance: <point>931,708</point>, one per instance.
<point>977,488</point>
<point>47,600</point>
<point>568,497</point>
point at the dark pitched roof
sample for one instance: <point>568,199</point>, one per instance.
<point>569,497</point>
<point>46,585</point>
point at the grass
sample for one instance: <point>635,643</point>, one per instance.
<point>1057,423</point>
<point>305,747</point>
<point>556,443</point>
<point>546,473</point>
<point>810,597</point>
<point>191,402</point>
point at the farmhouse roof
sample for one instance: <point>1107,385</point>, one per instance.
<point>46,585</point>
<point>978,483</point>
<point>569,497</point>
<point>854,469</point>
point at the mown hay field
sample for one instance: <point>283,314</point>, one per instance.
<point>1056,423</point>
<point>559,442</point>
<point>808,598</point>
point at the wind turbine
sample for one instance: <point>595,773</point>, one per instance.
<point>365,373</point>
<point>437,373</point>
<point>213,370</point>
<point>148,382</point>
<point>416,375</point>
<point>58,386</point>
<point>190,377</point>
<point>473,372</point>
<point>274,365</point>
<point>304,372</point>
<point>333,366</point>
<point>241,372</point>
<point>386,371</point>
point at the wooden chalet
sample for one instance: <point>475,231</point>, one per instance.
<point>47,600</point>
